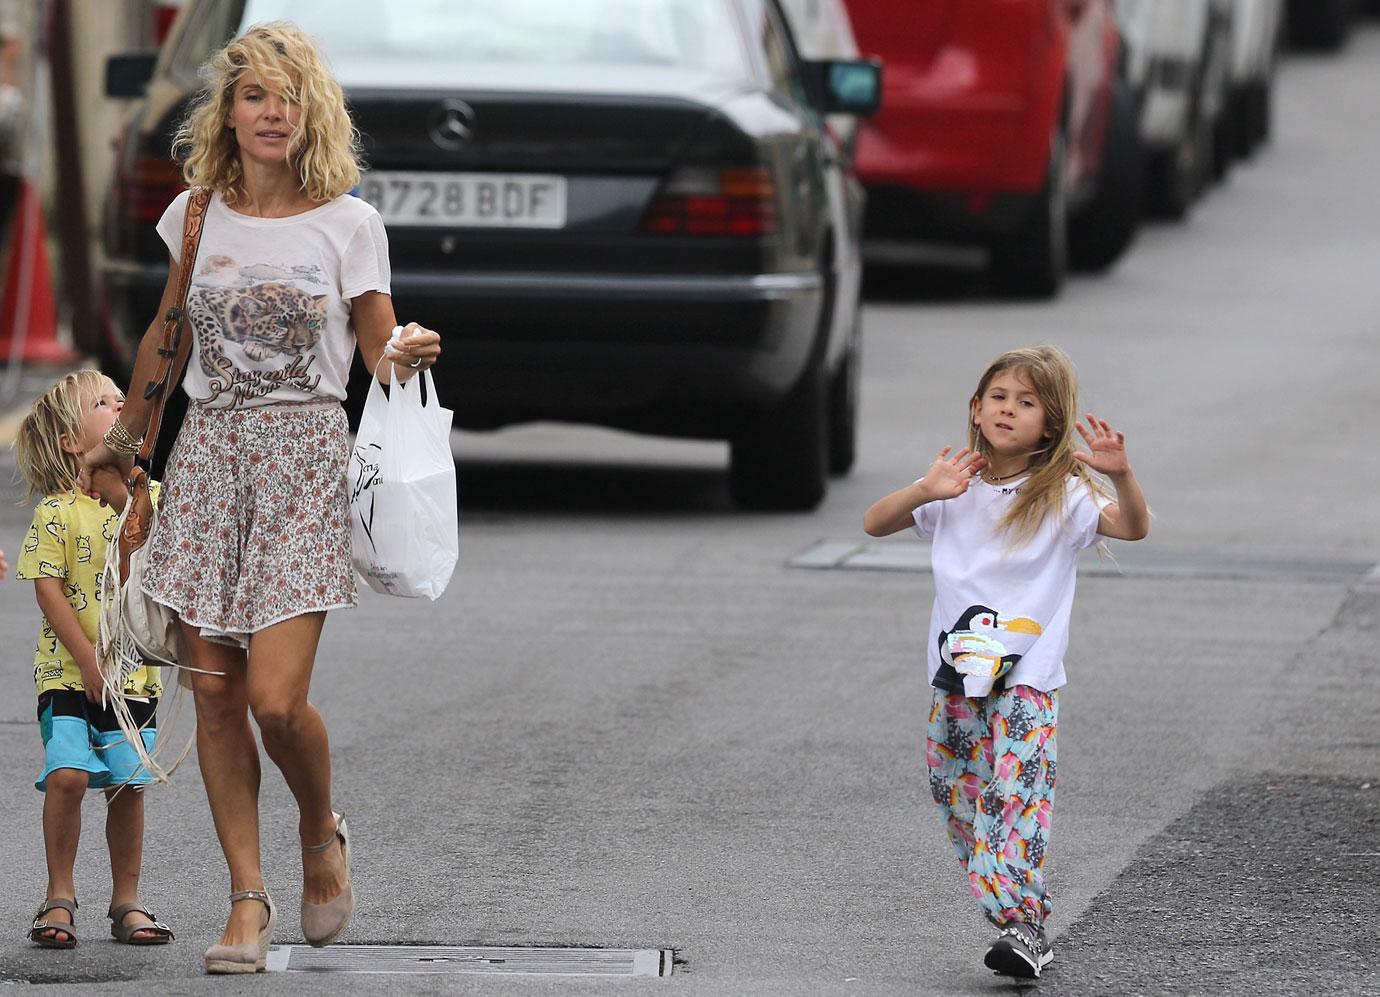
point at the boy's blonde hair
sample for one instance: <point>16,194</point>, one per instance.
<point>324,147</point>
<point>1052,376</point>
<point>44,466</point>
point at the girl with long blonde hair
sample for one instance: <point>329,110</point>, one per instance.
<point>252,546</point>
<point>1008,515</point>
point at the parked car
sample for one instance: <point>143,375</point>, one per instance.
<point>622,212</point>
<point>1003,125</point>
<point>1178,65</point>
<point>1255,35</point>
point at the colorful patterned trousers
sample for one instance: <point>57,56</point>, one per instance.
<point>992,768</point>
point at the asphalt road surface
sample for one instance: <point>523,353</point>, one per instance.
<point>634,722</point>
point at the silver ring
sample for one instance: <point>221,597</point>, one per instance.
<point>416,363</point>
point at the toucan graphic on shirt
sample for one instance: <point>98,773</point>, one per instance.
<point>974,646</point>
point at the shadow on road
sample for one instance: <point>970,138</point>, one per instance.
<point>589,487</point>
<point>886,283</point>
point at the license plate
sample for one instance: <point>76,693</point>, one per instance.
<point>466,200</point>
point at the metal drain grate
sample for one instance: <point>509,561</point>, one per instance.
<point>476,959</point>
<point>912,556</point>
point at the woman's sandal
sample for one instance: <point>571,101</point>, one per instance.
<point>249,957</point>
<point>324,923</point>
<point>160,933</point>
<point>36,933</point>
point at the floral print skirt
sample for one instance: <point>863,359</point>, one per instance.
<point>253,522</point>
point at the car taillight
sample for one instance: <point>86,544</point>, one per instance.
<point>738,202</point>
<point>149,187</point>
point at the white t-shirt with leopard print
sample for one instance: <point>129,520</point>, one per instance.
<point>270,299</point>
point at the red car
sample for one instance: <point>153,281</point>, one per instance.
<point>1003,124</point>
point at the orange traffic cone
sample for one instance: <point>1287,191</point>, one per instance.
<point>28,315</point>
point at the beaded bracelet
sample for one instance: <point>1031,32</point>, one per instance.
<point>119,439</point>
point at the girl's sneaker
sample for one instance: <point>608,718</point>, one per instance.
<point>1020,951</point>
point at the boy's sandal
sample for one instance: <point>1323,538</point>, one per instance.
<point>123,933</point>
<point>36,933</point>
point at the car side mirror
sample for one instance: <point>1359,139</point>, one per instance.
<point>128,75</point>
<point>845,86</point>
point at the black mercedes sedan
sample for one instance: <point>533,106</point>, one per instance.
<point>632,213</point>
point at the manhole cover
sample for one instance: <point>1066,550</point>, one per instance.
<point>470,959</point>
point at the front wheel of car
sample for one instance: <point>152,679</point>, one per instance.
<point>843,406</point>
<point>1178,175</point>
<point>1100,233</point>
<point>1033,262</point>
<point>780,461</point>
<point>1320,25</point>
<point>1259,114</point>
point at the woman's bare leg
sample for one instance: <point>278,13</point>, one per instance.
<point>229,758</point>
<point>280,666</point>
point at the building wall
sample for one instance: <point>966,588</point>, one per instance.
<point>101,28</point>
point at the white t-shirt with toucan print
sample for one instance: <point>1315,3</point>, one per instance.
<point>1001,612</point>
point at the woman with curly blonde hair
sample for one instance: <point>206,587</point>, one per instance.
<point>253,544</point>
<point>324,147</point>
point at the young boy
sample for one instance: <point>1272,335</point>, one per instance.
<point>64,555</point>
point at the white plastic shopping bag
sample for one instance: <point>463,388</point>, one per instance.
<point>402,490</point>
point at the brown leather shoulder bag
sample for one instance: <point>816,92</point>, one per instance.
<point>135,628</point>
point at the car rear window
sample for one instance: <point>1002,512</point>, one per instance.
<point>686,34</point>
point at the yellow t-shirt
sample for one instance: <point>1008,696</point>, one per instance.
<point>68,540</point>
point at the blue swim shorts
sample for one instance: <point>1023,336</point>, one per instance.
<point>81,735</point>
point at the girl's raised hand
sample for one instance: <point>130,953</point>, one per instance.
<point>1108,447</point>
<point>949,477</point>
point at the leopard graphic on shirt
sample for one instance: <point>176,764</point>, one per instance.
<point>260,313</point>
<point>273,299</point>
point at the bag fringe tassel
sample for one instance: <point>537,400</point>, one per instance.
<point>120,657</point>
